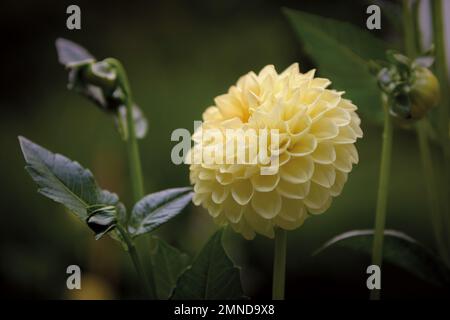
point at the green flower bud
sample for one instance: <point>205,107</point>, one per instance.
<point>101,219</point>
<point>410,87</point>
<point>424,93</point>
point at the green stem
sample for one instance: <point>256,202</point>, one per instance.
<point>279,264</point>
<point>134,161</point>
<point>413,45</point>
<point>132,144</point>
<point>441,71</point>
<point>431,184</point>
<point>409,27</point>
<point>148,290</point>
<point>383,188</point>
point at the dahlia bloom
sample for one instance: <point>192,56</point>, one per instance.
<point>317,129</point>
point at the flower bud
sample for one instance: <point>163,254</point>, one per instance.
<point>411,88</point>
<point>424,92</point>
<point>101,219</point>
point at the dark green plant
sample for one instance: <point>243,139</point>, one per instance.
<point>65,181</point>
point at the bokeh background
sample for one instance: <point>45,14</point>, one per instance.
<point>179,55</point>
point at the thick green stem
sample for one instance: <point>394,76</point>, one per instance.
<point>413,45</point>
<point>431,185</point>
<point>409,28</point>
<point>148,290</point>
<point>279,264</point>
<point>383,188</point>
<point>134,161</point>
<point>444,107</point>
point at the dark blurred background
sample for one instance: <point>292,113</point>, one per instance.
<point>179,55</point>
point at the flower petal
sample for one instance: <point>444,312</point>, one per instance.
<point>324,175</point>
<point>317,197</point>
<point>219,193</point>
<point>293,190</point>
<point>266,204</point>
<point>341,178</point>
<point>324,129</point>
<point>292,209</point>
<point>242,191</point>
<point>304,146</point>
<point>298,170</point>
<point>232,210</point>
<point>265,183</point>
<point>324,153</point>
<point>258,223</point>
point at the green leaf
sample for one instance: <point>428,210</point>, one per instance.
<point>68,183</point>
<point>168,264</point>
<point>212,276</point>
<point>400,250</point>
<point>63,180</point>
<point>157,208</point>
<point>341,52</point>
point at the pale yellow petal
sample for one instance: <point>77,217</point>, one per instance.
<point>293,190</point>
<point>266,204</point>
<point>242,191</point>
<point>304,146</point>
<point>344,159</point>
<point>219,193</point>
<point>324,175</point>
<point>341,178</point>
<point>265,183</point>
<point>317,197</point>
<point>259,224</point>
<point>324,129</point>
<point>292,209</point>
<point>232,210</point>
<point>324,153</point>
<point>298,170</point>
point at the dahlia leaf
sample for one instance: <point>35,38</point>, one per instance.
<point>157,208</point>
<point>212,276</point>
<point>400,250</point>
<point>342,52</point>
<point>168,264</point>
<point>68,183</point>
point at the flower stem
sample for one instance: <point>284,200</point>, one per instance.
<point>279,264</point>
<point>383,188</point>
<point>413,46</point>
<point>431,184</point>
<point>135,168</point>
<point>443,125</point>
<point>132,144</point>
<point>148,290</point>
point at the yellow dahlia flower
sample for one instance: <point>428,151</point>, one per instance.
<point>317,129</point>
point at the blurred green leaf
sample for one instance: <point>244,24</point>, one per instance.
<point>168,264</point>
<point>212,276</point>
<point>400,250</point>
<point>63,180</point>
<point>342,52</point>
<point>157,208</point>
